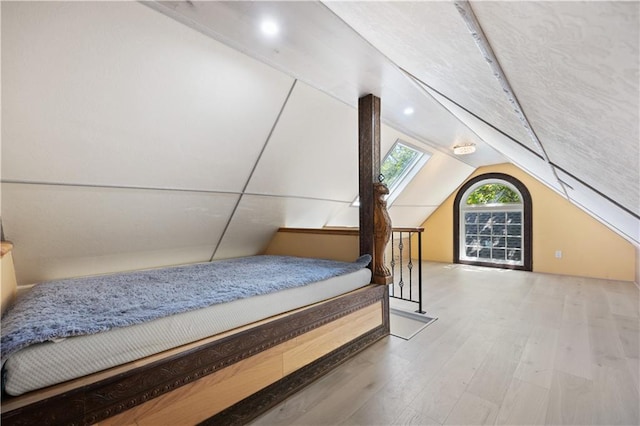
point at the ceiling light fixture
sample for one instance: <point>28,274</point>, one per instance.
<point>464,149</point>
<point>408,111</point>
<point>269,27</point>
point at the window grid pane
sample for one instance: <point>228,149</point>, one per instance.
<point>493,236</point>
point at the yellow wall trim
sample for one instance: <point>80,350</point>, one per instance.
<point>335,244</point>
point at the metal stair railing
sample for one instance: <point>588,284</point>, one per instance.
<point>401,250</point>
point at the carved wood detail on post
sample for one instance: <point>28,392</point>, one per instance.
<point>381,234</point>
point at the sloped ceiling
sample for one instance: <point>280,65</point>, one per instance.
<point>131,141</point>
<point>124,137</point>
<point>318,48</point>
<point>134,139</point>
<point>572,68</point>
<point>430,40</point>
<point>575,71</point>
<point>558,95</point>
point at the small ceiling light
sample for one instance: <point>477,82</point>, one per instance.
<point>269,28</point>
<point>408,111</point>
<point>464,149</point>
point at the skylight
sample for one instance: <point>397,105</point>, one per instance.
<point>400,165</point>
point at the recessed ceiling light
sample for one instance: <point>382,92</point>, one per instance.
<point>408,111</point>
<point>269,27</point>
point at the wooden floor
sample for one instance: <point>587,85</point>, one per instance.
<point>509,347</point>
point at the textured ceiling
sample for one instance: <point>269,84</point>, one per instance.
<point>556,94</point>
<point>574,68</point>
<point>429,40</point>
<point>566,70</point>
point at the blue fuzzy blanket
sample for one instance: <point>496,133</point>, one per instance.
<point>79,306</point>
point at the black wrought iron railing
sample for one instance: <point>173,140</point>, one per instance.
<point>407,282</point>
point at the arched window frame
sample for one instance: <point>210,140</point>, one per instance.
<point>458,234</point>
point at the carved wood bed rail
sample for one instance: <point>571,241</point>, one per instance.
<point>136,394</point>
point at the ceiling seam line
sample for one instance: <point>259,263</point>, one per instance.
<point>426,93</point>
<point>551,163</point>
<point>473,25</point>
<point>299,197</point>
<point>229,42</point>
<point>253,169</point>
<point>472,113</point>
<point>416,81</point>
<point>594,190</point>
<point>422,85</point>
<point>132,187</point>
<point>161,189</point>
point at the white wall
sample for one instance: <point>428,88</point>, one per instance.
<point>131,141</point>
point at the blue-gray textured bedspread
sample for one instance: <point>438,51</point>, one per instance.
<point>89,305</point>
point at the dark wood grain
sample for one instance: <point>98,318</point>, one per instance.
<point>369,166</point>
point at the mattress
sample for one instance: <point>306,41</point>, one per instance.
<point>50,363</point>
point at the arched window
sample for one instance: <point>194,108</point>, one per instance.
<point>492,223</point>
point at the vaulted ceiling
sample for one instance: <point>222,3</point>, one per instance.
<point>132,138</point>
<point>550,86</point>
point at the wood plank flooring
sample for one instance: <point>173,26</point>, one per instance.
<point>508,348</point>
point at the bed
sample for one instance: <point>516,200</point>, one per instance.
<point>230,373</point>
<point>95,323</point>
<point>300,330</point>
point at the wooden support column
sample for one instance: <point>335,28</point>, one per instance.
<point>369,158</point>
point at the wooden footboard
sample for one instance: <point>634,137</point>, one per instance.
<point>228,380</point>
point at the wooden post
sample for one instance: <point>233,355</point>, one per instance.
<point>369,158</point>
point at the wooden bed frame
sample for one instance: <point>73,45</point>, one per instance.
<point>235,376</point>
<point>226,379</point>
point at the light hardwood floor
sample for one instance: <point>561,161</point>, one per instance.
<point>509,347</point>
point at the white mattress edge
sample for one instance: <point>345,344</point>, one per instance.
<point>49,363</point>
